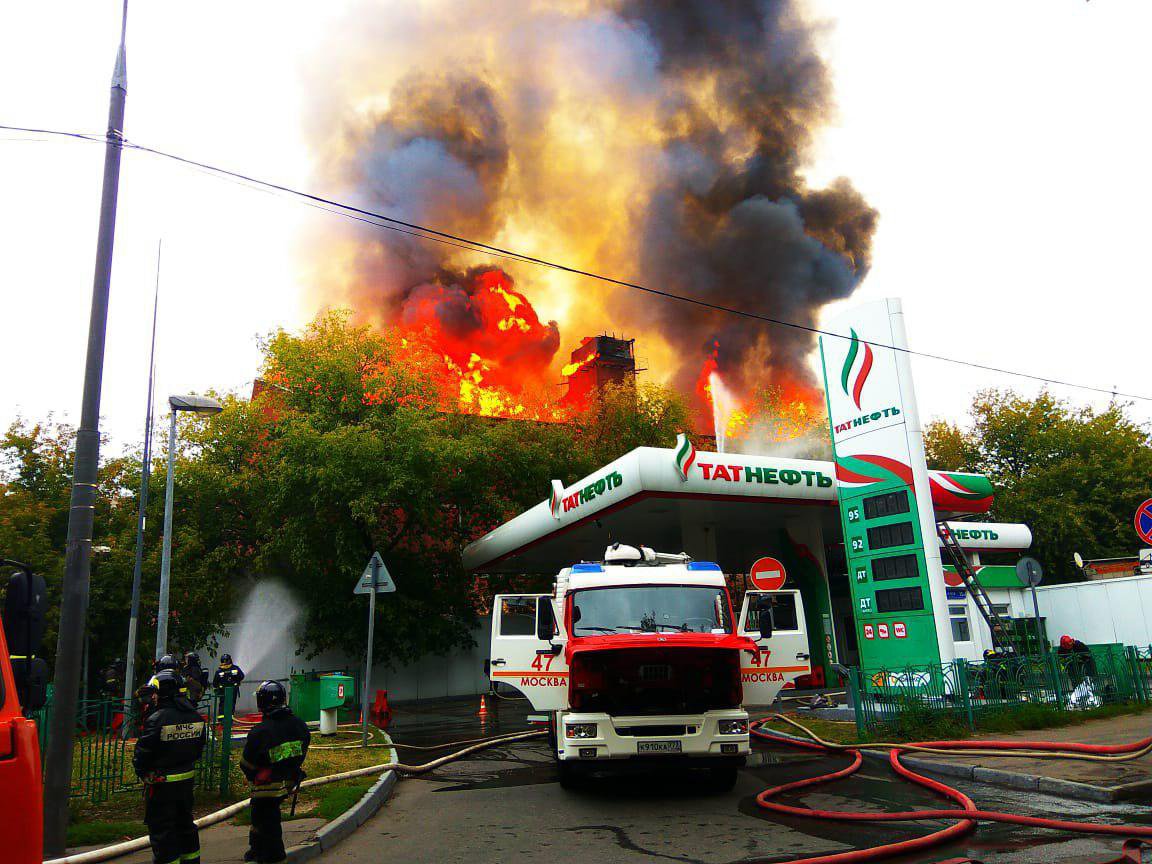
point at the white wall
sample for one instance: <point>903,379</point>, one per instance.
<point>981,634</point>
<point>1110,610</point>
<point>460,673</point>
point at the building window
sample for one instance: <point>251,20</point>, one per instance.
<point>1002,610</point>
<point>958,615</point>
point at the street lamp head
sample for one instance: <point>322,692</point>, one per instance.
<point>195,404</point>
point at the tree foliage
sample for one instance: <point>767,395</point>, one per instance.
<point>1073,474</point>
<point>353,443</point>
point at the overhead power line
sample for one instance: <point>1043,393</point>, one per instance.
<point>413,229</point>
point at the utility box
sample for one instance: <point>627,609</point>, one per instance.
<point>313,692</point>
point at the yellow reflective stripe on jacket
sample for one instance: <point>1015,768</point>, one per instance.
<point>175,778</point>
<point>286,751</point>
<point>270,790</point>
<point>21,656</point>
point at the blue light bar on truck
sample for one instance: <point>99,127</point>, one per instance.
<point>704,565</point>
<point>587,568</point>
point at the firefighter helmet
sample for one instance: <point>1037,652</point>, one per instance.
<point>271,695</point>
<point>168,683</point>
<point>191,659</point>
<point>167,662</point>
<point>1067,641</point>
<point>225,659</point>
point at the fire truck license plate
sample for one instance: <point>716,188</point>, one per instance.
<point>658,747</point>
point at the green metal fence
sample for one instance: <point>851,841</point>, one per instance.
<point>968,691</point>
<point>105,738</point>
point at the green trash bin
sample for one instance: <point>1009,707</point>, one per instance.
<point>304,696</point>
<point>335,690</point>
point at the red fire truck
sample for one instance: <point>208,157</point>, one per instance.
<point>639,660</point>
<point>21,807</point>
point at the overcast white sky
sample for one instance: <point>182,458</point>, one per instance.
<point>1004,144</point>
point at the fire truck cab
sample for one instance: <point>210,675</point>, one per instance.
<point>641,659</point>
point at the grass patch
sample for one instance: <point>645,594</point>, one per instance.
<point>925,724</point>
<point>120,816</point>
<point>103,833</point>
<point>338,797</point>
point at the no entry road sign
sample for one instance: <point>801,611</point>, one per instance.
<point>1143,521</point>
<point>768,574</point>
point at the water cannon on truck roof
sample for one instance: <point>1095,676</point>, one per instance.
<point>639,659</point>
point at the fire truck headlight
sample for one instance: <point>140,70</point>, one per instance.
<point>733,727</point>
<point>580,730</point>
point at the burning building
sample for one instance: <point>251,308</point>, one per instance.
<point>656,142</point>
<point>598,362</point>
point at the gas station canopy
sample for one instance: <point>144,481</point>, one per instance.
<point>663,497</point>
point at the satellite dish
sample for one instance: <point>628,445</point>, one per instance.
<point>1029,571</point>
<point>1078,559</point>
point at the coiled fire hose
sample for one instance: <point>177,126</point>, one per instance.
<point>968,813</point>
<point>107,853</point>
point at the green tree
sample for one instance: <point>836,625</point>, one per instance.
<point>1074,475</point>
<point>354,442</point>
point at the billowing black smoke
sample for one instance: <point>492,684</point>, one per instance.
<point>746,232</point>
<point>717,103</point>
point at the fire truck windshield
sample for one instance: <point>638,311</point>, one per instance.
<point>650,609</point>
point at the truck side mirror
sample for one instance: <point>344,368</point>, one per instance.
<point>545,621</point>
<point>764,620</point>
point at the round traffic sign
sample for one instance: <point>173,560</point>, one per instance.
<point>1143,521</point>
<point>768,574</point>
<point>1029,571</point>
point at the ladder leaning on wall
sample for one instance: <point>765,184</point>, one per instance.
<point>1000,629</point>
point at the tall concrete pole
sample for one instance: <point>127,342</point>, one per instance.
<point>166,549</point>
<point>77,560</point>
<point>142,507</point>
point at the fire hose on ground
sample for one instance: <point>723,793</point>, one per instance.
<point>968,814</point>
<point>107,853</point>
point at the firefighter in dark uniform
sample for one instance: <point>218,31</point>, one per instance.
<point>172,739</point>
<point>228,674</point>
<point>195,677</point>
<point>272,760</point>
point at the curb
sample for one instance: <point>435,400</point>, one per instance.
<point>347,822</point>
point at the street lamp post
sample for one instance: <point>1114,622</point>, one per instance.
<point>195,405</point>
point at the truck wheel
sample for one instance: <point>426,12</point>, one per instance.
<point>569,775</point>
<point>722,778</point>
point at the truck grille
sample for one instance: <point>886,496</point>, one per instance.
<point>654,672</point>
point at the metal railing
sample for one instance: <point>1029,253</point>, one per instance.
<point>105,739</point>
<point>968,693</point>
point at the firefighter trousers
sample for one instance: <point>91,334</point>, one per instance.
<point>266,839</point>
<point>171,830</point>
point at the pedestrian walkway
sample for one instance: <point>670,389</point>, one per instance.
<point>1122,779</point>
<point>226,843</point>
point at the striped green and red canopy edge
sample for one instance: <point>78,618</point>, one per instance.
<point>685,455</point>
<point>951,491</point>
<point>557,498</point>
<point>857,383</point>
<point>961,493</point>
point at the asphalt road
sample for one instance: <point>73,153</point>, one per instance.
<point>505,805</point>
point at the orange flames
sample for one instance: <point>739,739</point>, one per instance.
<point>496,351</point>
<point>782,411</point>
